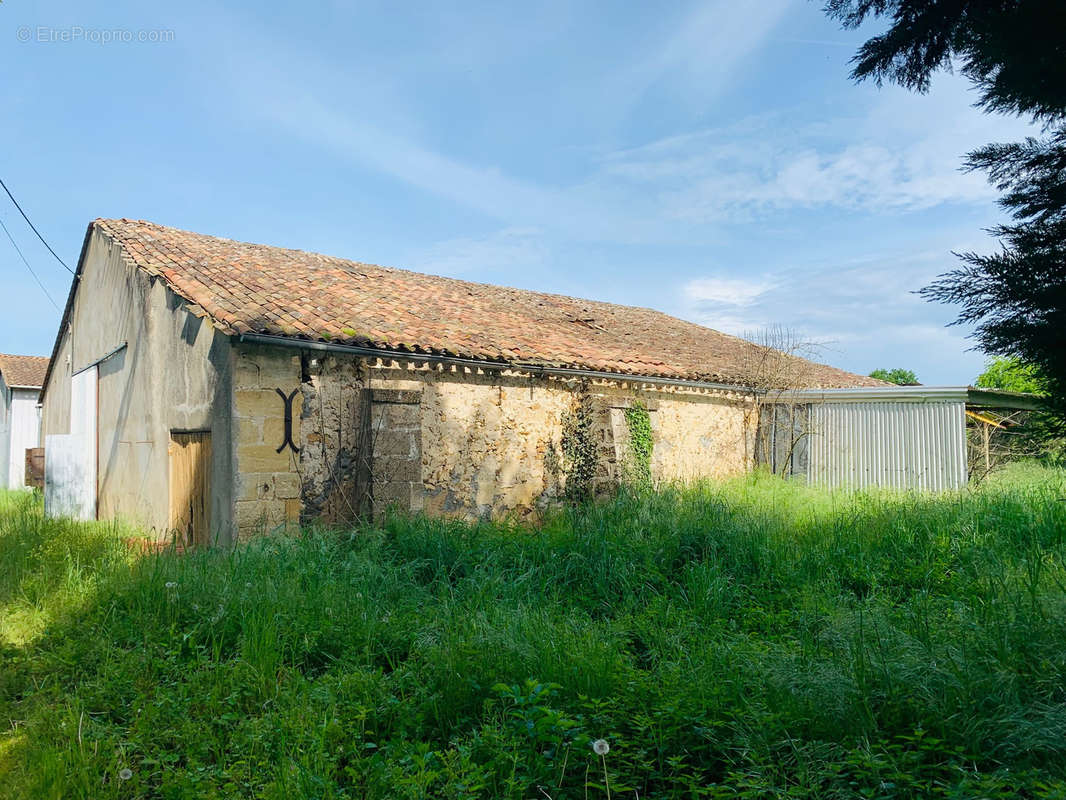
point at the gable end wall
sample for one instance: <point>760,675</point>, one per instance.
<point>172,375</point>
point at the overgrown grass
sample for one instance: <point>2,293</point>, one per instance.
<point>752,639</point>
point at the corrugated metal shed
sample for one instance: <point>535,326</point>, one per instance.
<point>890,444</point>
<point>905,437</point>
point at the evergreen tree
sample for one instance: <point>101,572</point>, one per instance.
<point>1014,51</point>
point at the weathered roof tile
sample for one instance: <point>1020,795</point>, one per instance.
<point>23,371</point>
<point>255,288</point>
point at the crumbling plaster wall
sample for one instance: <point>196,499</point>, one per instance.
<point>491,441</point>
<point>445,440</point>
<point>702,436</point>
<point>334,458</point>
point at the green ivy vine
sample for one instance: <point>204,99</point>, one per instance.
<point>638,420</point>
<point>579,448</point>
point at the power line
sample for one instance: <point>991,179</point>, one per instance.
<point>23,213</point>
<point>27,263</point>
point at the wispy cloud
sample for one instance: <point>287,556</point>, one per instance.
<point>369,121</point>
<point>704,50</point>
<point>734,292</point>
<point>359,141</point>
<point>907,158</point>
<point>865,311</point>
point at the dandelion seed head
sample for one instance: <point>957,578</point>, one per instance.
<point>125,774</point>
<point>600,747</point>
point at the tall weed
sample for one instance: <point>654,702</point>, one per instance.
<point>753,638</point>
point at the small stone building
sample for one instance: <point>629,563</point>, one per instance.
<point>21,378</point>
<point>217,389</point>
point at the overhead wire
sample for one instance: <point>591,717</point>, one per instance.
<point>34,228</point>
<point>27,263</point>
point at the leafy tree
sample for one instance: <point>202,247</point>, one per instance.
<point>1035,434</point>
<point>1014,51</point>
<point>904,377</point>
<point>1012,375</point>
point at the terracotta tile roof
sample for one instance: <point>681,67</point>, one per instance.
<point>251,288</point>
<point>23,371</point>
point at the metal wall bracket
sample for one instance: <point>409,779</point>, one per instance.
<point>287,441</point>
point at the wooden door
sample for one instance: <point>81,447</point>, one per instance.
<point>190,487</point>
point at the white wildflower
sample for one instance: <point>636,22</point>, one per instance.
<point>125,774</point>
<point>171,584</point>
<point>600,747</point>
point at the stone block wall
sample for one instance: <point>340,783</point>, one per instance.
<point>446,440</point>
<point>396,444</point>
<point>357,450</point>
<point>268,480</point>
<point>490,441</point>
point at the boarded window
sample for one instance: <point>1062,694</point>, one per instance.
<point>190,487</point>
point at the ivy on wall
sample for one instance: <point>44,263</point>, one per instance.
<point>581,444</point>
<point>579,448</point>
<point>638,420</point>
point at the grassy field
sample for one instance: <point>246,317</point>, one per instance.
<point>751,639</point>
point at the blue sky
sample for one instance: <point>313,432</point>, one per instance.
<point>709,159</point>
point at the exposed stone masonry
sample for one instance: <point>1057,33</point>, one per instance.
<point>612,435</point>
<point>396,443</point>
<point>268,482</point>
<point>454,441</point>
<point>334,460</point>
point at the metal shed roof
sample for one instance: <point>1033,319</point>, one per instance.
<point>989,398</point>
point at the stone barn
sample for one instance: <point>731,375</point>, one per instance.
<point>214,389</point>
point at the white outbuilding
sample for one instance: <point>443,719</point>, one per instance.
<point>21,379</point>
